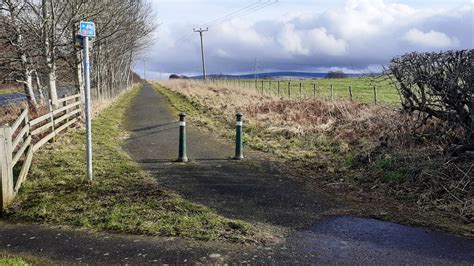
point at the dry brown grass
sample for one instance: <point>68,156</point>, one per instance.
<point>383,145</point>
<point>9,113</point>
<point>356,124</point>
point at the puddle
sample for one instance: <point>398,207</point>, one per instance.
<point>370,240</point>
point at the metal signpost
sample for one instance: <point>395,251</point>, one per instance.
<point>87,29</point>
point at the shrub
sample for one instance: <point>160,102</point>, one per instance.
<point>439,85</point>
<point>336,75</point>
<point>176,76</point>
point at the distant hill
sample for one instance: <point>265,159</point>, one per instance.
<point>275,75</point>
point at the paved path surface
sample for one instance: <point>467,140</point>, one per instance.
<point>253,191</point>
<point>66,246</point>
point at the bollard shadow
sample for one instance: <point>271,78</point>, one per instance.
<point>212,159</point>
<point>191,160</point>
<point>153,131</point>
<point>152,127</point>
<point>152,161</point>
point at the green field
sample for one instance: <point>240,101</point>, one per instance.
<point>362,89</point>
<point>9,91</point>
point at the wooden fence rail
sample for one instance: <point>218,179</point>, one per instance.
<point>24,137</point>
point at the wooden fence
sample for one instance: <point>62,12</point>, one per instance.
<point>24,137</point>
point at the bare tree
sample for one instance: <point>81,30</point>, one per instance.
<point>124,28</point>
<point>17,63</point>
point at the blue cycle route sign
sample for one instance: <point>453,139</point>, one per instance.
<point>87,29</point>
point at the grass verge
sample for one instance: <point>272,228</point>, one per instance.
<point>12,261</point>
<point>123,197</point>
<point>9,259</point>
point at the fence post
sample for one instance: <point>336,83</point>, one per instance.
<point>314,91</point>
<point>263,92</point>
<point>51,110</point>
<point>289,90</point>
<point>270,87</point>
<point>350,93</point>
<point>301,92</point>
<point>6,151</point>
<point>65,112</point>
<point>278,88</point>
<point>332,92</point>
<point>375,95</point>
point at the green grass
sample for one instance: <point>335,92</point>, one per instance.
<point>8,91</point>
<point>362,89</point>
<point>12,262</point>
<point>123,197</point>
<point>390,171</point>
<point>22,259</point>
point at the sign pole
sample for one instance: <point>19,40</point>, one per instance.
<point>87,91</point>
<point>87,30</point>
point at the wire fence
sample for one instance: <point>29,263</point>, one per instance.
<point>364,90</point>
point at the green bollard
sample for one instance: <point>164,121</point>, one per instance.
<point>239,138</point>
<point>182,157</point>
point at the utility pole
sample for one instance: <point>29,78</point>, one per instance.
<point>256,68</point>
<point>144,69</point>
<point>200,30</point>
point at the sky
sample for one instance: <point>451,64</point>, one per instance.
<point>355,36</point>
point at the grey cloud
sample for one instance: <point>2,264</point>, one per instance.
<point>359,38</point>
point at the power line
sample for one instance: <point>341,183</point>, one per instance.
<point>231,16</point>
<point>252,10</point>
<point>239,12</point>
<point>188,35</point>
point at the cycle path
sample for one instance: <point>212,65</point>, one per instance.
<point>254,191</point>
